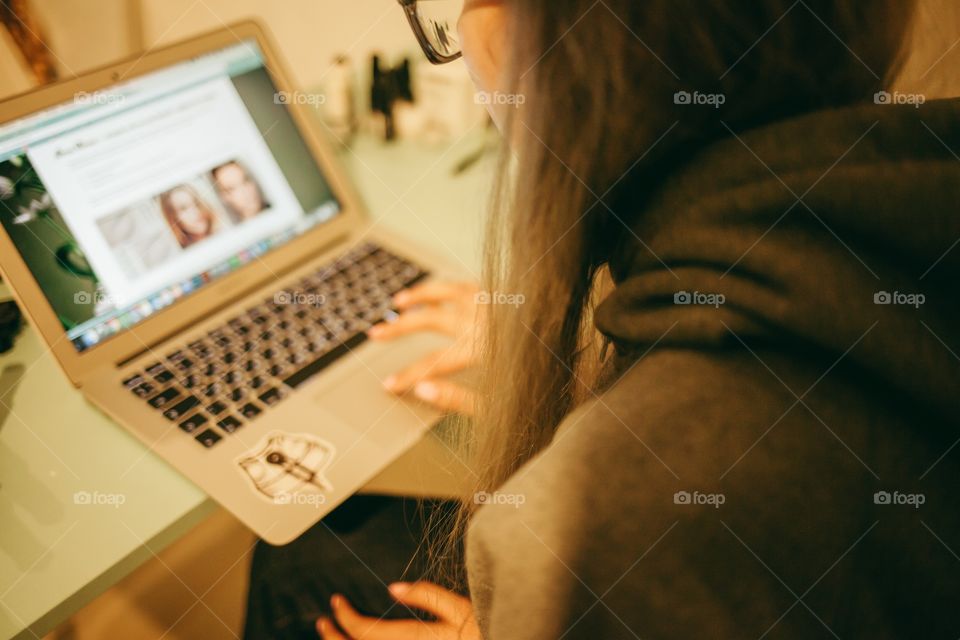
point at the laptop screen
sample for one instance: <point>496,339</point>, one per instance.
<point>124,201</point>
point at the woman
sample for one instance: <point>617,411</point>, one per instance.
<point>188,216</point>
<point>238,191</point>
<point>727,406</point>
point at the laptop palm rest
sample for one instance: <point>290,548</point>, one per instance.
<point>356,394</point>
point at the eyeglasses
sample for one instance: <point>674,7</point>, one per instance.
<point>434,23</point>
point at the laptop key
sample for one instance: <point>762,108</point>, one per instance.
<point>209,438</point>
<point>155,368</point>
<point>271,397</point>
<point>313,368</point>
<point>250,411</point>
<point>216,408</point>
<point>144,390</point>
<point>162,376</point>
<point>163,398</point>
<point>193,423</point>
<point>230,424</point>
<point>181,409</point>
<point>134,381</point>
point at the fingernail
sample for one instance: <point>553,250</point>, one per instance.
<point>336,601</point>
<point>323,626</point>
<point>427,391</point>
<point>390,383</point>
<point>399,588</point>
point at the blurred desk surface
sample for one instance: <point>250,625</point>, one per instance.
<point>55,555</point>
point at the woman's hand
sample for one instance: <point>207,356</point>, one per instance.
<point>454,614</point>
<point>448,308</point>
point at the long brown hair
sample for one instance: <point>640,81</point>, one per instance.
<point>600,121</point>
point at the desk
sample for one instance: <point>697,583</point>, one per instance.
<point>56,555</point>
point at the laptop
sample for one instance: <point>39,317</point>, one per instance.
<point>190,251</point>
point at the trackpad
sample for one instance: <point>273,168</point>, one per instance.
<point>361,401</point>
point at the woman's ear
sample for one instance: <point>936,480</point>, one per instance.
<point>482,30</point>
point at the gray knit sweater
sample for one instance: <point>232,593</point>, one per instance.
<point>776,458</point>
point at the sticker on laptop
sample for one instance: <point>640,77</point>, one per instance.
<point>287,468</point>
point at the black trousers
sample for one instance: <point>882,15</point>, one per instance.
<point>361,547</point>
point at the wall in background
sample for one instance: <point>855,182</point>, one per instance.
<point>81,36</point>
<point>88,34</point>
<point>309,32</point>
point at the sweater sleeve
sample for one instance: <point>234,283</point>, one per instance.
<point>626,527</point>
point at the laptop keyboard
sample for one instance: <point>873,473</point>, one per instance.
<point>212,386</point>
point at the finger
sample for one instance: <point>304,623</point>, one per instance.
<point>328,631</point>
<point>439,319</point>
<point>360,627</point>
<point>432,293</point>
<point>439,363</point>
<point>446,396</point>
<point>446,605</point>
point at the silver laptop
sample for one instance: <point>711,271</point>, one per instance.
<point>191,253</point>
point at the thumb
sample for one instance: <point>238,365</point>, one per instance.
<point>446,395</point>
<point>446,605</point>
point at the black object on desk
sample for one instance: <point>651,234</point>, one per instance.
<point>10,323</point>
<point>388,86</point>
